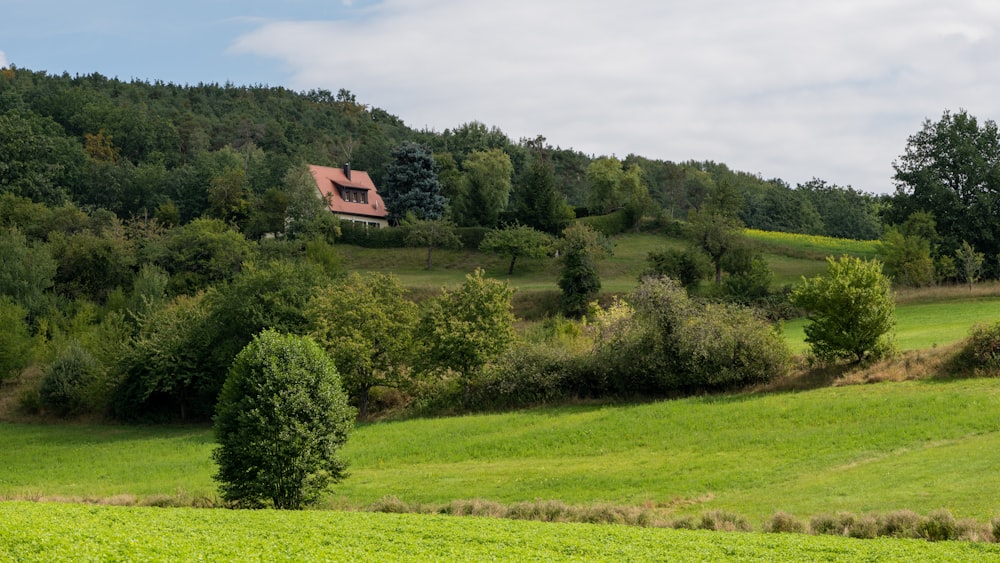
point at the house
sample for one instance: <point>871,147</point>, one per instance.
<point>350,195</point>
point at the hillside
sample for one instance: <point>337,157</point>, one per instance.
<point>856,448</point>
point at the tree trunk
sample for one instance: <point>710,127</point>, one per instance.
<point>363,403</point>
<point>510,270</point>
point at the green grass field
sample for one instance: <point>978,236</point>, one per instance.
<point>64,532</point>
<point>922,324</point>
<point>912,445</point>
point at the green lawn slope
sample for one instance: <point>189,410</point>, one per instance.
<point>919,445</point>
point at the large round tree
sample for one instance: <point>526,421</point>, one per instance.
<point>280,421</point>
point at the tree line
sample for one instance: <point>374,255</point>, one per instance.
<point>136,217</point>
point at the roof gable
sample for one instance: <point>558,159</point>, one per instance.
<point>343,194</point>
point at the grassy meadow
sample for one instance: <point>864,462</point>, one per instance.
<point>918,445</point>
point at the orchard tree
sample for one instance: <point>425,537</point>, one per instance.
<point>851,309</point>
<point>437,233</point>
<point>514,241</point>
<point>280,422</point>
<point>715,228</point>
<point>411,184</point>
<point>466,328</point>
<point>367,325</point>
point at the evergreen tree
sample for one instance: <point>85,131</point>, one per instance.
<point>411,184</point>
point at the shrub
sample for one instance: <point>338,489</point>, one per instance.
<point>688,266</point>
<point>390,505</point>
<point>723,521</point>
<point>900,524</point>
<point>940,525</point>
<point>281,419</point>
<point>981,351</point>
<point>827,524</point>
<point>967,529</point>
<point>851,309</point>
<point>64,386</point>
<point>661,341</point>
<point>782,522</point>
<point>864,527</point>
<point>609,225</point>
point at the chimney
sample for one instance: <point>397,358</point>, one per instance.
<point>347,170</point>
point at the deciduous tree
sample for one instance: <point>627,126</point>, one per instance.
<point>367,325</point>
<point>280,423</point>
<point>466,328</point>
<point>514,241</point>
<point>851,309</point>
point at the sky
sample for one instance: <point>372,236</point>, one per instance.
<point>788,89</point>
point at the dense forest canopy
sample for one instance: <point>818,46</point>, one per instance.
<point>180,152</point>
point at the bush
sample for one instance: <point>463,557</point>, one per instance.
<point>663,342</point>
<point>65,385</point>
<point>939,525</point>
<point>609,225</point>
<point>368,237</point>
<point>900,524</point>
<point>981,351</point>
<point>281,419</point>
<point>827,524</point>
<point>782,522</point>
<point>851,309</point>
<point>723,521</point>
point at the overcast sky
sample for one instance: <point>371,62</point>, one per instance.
<point>782,88</point>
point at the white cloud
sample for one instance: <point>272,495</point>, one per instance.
<point>3,60</point>
<point>777,87</point>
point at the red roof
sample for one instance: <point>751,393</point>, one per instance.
<point>334,184</point>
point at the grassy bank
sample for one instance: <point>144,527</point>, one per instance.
<point>860,449</point>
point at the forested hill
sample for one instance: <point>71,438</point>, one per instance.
<point>136,148</point>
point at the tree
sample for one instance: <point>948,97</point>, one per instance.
<point>15,341</point>
<point>411,184</point>
<point>579,279</point>
<point>844,212</point>
<point>201,253</point>
<point>433,234</point>
<point>280,422</point>
<point>715,228</point>
<point>367,325</point>
<point>907,258</point>
<point>970,263</point>
<point>465,329</point>
<point>514,241</point>
<point>951,168</point>
<point>536,202</point>
<point>635,197</point>
<point>851,310</point>
<point>27,270</point>
<point>486,185</point>
<point>604,185</point>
